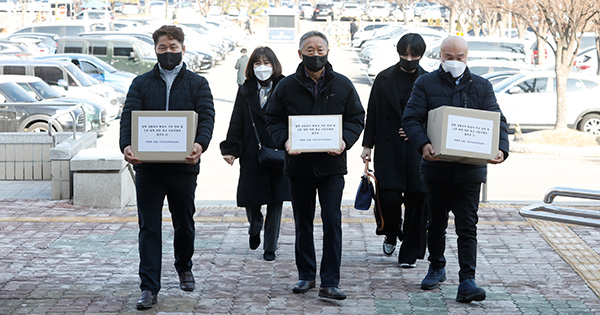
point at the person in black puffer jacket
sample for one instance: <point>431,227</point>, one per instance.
<point>451,186</point>
<point>315,89</point>
<point>169,86</point>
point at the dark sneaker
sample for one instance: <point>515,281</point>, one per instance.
<point>469,291</point>
<point>254,241</point>
<point>433,278</point>
<point>388,247</point>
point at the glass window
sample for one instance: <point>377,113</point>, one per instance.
<point>44,90</point>
<point>49,74</point>
<point>88,67</point>
<point>73,47</point>
<point>14,93</point>
<point>575,85</point>
<point>97,49</point>
<point>20,70</point>
<point>589,84</point>
<point>536,85</point>
<point>74,30</point>
<point>122,49</point>
<point>84,79</point>
<point>49,29</point>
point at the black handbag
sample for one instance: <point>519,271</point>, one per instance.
<point>269,157</point>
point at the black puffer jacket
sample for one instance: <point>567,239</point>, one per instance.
<point>189,91</point>
<point>436,89</point>
<point>336,96</point>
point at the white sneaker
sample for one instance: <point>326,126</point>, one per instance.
<point>407,265</point>
<point>388,248</point>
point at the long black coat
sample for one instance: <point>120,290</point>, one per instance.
<point>292,96</point>
<point>396,160</point>
<point>436,89</point>
<point>257,185</point>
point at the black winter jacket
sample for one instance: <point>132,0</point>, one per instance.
<point>396,161</point>
<point>336,96</point>
<point>257,185</point>
<point>436,89</point>
<point>189,91</point>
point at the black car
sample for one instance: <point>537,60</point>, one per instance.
<point>323,11</point>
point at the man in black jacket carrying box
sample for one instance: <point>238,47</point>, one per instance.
<point>169,86</point>
<point>451,186</point>
<point>315,89</point>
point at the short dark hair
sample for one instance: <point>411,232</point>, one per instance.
<point>244,50</point>
<point>414,41</point>
<point>172,32</point>
<point>311,34</point>
<point>267,53</point>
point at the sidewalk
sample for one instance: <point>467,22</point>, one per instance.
<point>62,259</point>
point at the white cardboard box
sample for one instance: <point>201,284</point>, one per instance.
<point>464,135</point>
<point>163,136</point>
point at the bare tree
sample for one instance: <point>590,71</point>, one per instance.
<point>565,20</point>
<point>456,9</point>
<point>596,27</point>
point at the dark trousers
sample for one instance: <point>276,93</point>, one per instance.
<point>463,201</point>
<point>272,223</point>
<point>151,189</point>
<point>303,192</point>
<point>412,229</point>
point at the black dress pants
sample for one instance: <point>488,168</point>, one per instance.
<point>303,192</point>
<point>411,230</point>
<point>272,223</point>
<point>463,200</point>
<point>151,188</point>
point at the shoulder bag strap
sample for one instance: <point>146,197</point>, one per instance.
<point>254,127</point>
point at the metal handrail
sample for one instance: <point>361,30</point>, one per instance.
<point>70,112</point>
<point>564,214</point>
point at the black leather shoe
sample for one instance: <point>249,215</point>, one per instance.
<point>433,278</point>
<point>303,286</point>
<point>388,246</point>
<point>469,291</point>
<point>332,293</point>
<point>254,241</point>
<point>269,256</point>
<point>186,281</point>
<point>146,300</point>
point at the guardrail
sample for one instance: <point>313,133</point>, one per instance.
<point>564,214</point>
<point>70,111</point>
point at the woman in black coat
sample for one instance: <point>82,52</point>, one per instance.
<point>258,184</point>
<point>396,161</point>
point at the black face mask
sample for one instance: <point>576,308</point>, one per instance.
<point>314,63</point>
<point>169,60</point>
<point>409,65</point>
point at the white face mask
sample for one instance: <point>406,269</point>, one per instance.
<point>263,72</point>
<point>455,67</point>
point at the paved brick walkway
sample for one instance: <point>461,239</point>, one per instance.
<point>56,258</point>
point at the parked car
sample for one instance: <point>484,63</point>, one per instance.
<point>483,66</point>
<point>96,68</point>
<point>67,80</point>
<point>366,32</point>
<point>306,10</point>
<point>378,11</point>
<point>587,61</point>
<point>351,10</point>
<point>95,15</point>
<point>10,49</point>
<point>489,48</point>
<point>419,6</point>
<point>17,116</point>
<point>131,8</point>
<point>498,76</point>
<point>323,11</point>
<point>399,15</point>
<point>529,99</point>
<point>49,41</point>
<point>125,53</point>
<point>68,28</point>
<point>431,12</point>
<point>95,112</point>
